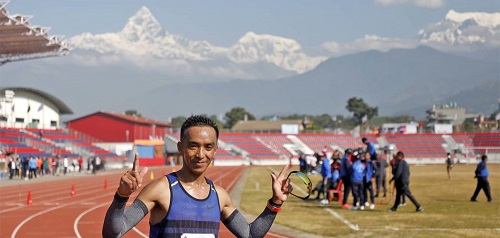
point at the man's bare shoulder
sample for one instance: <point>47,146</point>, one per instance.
<point>156,190</point>
<point>223,194</point>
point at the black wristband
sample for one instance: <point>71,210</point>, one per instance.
<point>120,198</point>
<point>273,203</point>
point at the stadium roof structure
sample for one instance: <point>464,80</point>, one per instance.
<point>21,41</point>
<point>128,118</point>
<point>63,108</point>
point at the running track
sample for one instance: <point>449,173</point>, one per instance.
<point>55,213</point>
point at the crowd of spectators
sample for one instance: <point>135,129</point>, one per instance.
<point>15,166</point>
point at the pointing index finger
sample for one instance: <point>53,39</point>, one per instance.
<point>135,165</point>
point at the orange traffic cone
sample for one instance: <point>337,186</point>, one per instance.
<point>29,202</point>
<point>105,184</point>
<point>72,190</point>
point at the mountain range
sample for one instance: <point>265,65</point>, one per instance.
<point>163,75</point>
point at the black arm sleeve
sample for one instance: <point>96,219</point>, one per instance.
<point>119,219</point>
<point>237,224</point>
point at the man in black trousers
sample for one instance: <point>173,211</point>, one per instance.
<point>482,179</point>
<point>345,165</point>
<point>402,181</point>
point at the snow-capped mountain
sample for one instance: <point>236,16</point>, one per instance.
<point>144,36</point>
<point>470,28</point>
<point>283,52</point>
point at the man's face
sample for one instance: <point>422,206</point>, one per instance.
<point>198,146</point>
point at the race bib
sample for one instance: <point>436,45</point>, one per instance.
<point>191,235</point>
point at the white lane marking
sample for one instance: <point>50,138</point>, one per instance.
<point>140,233</point>
<point>18,227</point>
<point>342,219</point>
<point>75,223</point>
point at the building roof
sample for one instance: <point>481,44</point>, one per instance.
<point>128,118</point>
<point>21,41</point>
<point>61,106</point>
<point>263,125</point>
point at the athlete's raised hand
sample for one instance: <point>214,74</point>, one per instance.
<point>132,179</point>
<point>281,185</point>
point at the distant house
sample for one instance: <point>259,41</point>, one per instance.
<point>280,126</point>
<point>115,127</point>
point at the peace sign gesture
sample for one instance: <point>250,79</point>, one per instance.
<point>132,179</point>
<point>281,185</point>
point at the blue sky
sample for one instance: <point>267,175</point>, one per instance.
<point>223,22</point>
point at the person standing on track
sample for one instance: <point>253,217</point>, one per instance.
<point>185,203</point>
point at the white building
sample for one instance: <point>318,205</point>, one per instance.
<point>30,108</point>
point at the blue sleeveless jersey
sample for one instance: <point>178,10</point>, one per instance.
<point>188,215</point>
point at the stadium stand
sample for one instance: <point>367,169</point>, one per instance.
<point>428,146</point>
<point>487,142</point>
<point>318,141</point>
<point>249,143</point>
<point>26,142</point>
<point>12,140</point>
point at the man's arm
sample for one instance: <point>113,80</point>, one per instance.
<point>238,225</point>
<point>479,167</point>
<point>119,219</point>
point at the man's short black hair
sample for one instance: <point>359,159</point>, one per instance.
<point>483,157</point>
<point>198,120</point>
<point>364,139</point>
<point>400,153</point>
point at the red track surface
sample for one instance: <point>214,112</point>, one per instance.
<point>55,213</point>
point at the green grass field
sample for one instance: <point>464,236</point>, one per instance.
<point>448,210</point>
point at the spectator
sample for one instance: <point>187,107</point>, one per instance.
<point>370,148</point>
<point>367,181</point>
<point>402,181</point>
<point>326,174</point>
<point>481,174</point>
<point>345,167</point>
<point>356,173</point>
<point>380,175</point>
<point>65,165</point>
<point>80,164</point>
<point>449,164</point>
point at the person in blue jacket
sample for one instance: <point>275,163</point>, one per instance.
<point>482,174</point>
<point>326,173</point>
<point>367,181</point>
<point>357,172</point>
<point>345,167</point>
<point>370,148</point>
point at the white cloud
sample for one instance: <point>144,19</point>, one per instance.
<point>368,42</point>
<point>419,3</point>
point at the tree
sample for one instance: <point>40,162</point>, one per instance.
<point>360,109</point>
<point>219,123</point>
<point>177,121</point>
<point>133,112</point>
<point>237,114</point>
